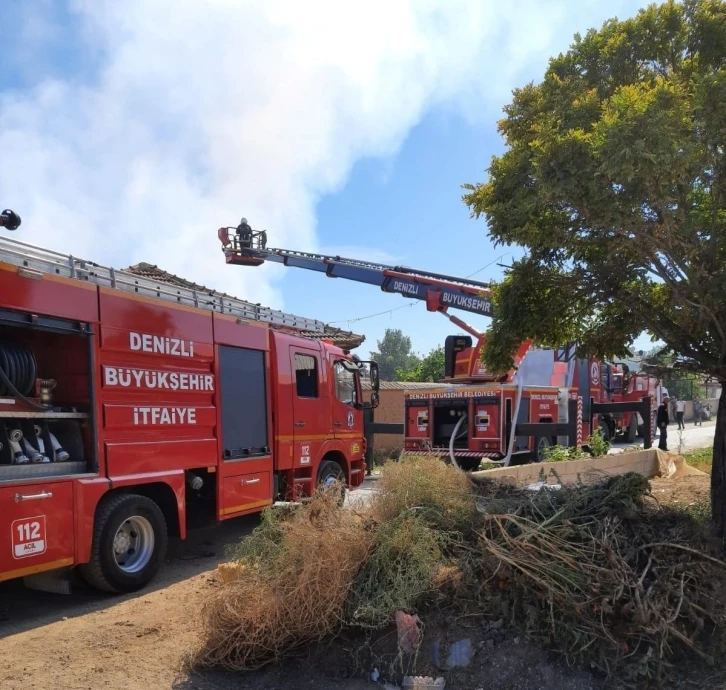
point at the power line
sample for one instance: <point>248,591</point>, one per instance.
<point>348,322</point>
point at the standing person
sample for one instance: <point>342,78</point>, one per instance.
<point>680,411</point>
<point>697,412</point>
<point>662,422</point>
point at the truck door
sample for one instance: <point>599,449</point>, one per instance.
<point>310,411</point>
<point>347,419</point>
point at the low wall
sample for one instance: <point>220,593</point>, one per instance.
<point>650,463</point>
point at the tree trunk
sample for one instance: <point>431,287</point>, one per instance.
<point>718,472</point>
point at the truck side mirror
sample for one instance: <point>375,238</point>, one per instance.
<point>374,399</point>
<point>375,382</point>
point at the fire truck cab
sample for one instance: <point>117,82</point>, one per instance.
<point>130,409</point>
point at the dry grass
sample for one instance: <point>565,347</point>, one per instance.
<point>599,573</point>
<point>427,485</point>
<point>297,576</point>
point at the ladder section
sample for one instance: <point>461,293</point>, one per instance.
<point>37,260</point>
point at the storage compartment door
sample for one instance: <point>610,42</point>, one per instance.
<point>37,528</point>
<point>246,493</point>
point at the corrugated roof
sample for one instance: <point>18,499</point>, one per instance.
<point>407,385</point>
<point>346,340</point>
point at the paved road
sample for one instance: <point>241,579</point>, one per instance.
<point>690,438</point>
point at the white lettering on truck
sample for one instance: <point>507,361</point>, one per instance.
<point>164,415</point>
<point>125,377</point>
<point>159,344</point>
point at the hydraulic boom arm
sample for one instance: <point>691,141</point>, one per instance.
<point>244,247</point>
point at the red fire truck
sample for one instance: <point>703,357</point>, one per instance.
<point>550,397</point>
<point>622,385</point>
<point>128,407</point>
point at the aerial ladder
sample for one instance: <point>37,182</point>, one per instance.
<point>552,396</point>
<point>244,246</point>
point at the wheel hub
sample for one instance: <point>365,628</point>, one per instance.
<point>133,544</point>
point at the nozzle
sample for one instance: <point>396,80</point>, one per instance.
<point>10,220</point>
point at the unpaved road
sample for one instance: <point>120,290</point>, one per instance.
<point>88,641</point>
<point>690,438</point>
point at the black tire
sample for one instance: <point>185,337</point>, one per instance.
<point>468,464</point>
<point>124,511</point>
<point>329,473</point>
<point>605,431</point>
<point>632,432</point>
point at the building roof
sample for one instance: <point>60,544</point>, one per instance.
<point>407,385</point>
<point>343,339</point>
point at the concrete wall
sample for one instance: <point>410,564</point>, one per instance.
<point>688,416</point>
<point>645,462</point>
<point>389,410</point>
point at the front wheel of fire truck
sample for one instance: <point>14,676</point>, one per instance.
<point>129,544</point>
<point>331,476</point>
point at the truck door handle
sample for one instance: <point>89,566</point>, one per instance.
<point>300,424</point>
<point>19,498</point>
<point>251,481</point>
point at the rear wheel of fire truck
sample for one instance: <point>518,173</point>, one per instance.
<point>632,432</point>
<point>331,474</point>
<point>129,544</point>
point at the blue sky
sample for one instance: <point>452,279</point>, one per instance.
<point>131,131</point>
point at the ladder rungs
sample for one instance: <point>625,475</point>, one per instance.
<point>50,262</point>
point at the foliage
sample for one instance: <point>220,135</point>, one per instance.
<point>558,453</point>
<point>394,355</point>
<point>428,485</point>
<point>429,369</point>
<point>685,385</point>
<point>614,179</point>
<point>701,459</point>
<point>405,558</point>
<point>598,447</point>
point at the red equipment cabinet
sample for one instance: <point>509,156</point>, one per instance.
<point>148,407</point>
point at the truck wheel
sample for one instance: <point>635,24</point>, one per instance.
<point>605,431</point>
<point>330,473</point>
<point>632,429</point>
<point>129,544</point>
<point>542,445</point>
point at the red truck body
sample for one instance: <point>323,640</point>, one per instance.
<point>621,385</point>
<point>501,414</point>
<point>149,395</point>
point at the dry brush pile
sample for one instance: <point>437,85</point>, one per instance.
<point>599,573</point>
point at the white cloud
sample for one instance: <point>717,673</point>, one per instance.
<point>200,112</point>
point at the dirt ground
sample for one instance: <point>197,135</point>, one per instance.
<point>86,641</point>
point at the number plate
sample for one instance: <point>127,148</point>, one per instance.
<point>28,537</point>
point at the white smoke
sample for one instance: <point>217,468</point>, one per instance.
<point>188,115</point>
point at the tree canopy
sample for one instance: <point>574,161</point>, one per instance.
<point>394,354</point>
<point>614,179</point>
<point>429,369</point>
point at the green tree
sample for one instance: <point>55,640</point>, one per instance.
<point>614,179</point>
<point>429,369</point>
<point>680,384</point>
<point>394,355</point>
